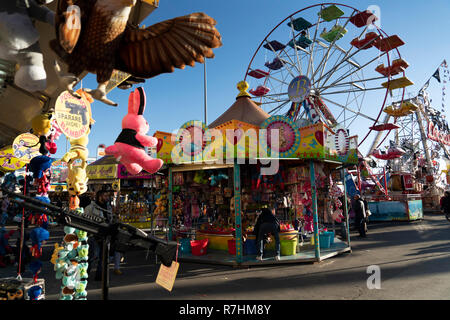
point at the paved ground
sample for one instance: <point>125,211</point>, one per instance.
<point>414,259</point>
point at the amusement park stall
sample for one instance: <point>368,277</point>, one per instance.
<point>133,194</point>
<point>217,189</point>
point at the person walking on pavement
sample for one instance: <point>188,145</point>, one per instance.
<point>267,224</point>
<point>360,215</point>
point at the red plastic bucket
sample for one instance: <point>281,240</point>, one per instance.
<point>198,247</point>
<point>232,247</point>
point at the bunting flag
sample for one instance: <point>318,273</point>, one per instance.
<point>445,79</point>
<point>437,76</point>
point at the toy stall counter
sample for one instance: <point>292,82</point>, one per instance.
<point>25,289</point>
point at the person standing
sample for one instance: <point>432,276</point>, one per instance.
<point>267,224</point>
<point>101,207</point>
<point>360,215</point>
<point>445,202</point>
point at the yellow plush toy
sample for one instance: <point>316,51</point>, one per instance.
<point>76,184</point>
<point>78,150</point>
<point>57,249</point>
<point>41,124</point>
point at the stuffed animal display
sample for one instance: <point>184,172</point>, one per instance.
<point>19,41</point>
<point>128,148</point>
<point>71,264</point>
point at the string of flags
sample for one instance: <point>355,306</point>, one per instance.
<point>444,79</point>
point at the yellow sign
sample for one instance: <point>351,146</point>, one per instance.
<point>72,115</point>
<point>8,162</point>
<point>26,147</point>
<point>166,276</point>
<point>106,171</point>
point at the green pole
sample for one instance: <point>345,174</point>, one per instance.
<point>346,207</point>
<point>237,212</point>
<point>314,207</point>
<point>170,204</point>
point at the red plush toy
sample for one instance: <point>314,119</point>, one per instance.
<point>128,148</point>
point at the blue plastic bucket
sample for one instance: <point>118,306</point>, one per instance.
<point>331,234</point>
<point>250,247</point>
<point>324,240</point>
<point>185,245</point>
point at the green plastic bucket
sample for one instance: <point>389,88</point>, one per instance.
<point>288,247</point>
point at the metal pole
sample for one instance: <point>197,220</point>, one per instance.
<point>314,207</point>
<point>205,94</point>
<point>347,221</point>
<point>170,204</point>
<point>105,266</point>
<point>237,212</point>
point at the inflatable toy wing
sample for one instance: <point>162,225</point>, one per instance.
<point>171,44</point>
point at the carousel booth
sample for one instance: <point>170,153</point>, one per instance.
<point>133,195</point>
<point>404,201</point>
<point>220,177</point>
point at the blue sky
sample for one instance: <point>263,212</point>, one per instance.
<point>175,98</point>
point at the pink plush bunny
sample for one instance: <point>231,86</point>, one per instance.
<point>129,145</point>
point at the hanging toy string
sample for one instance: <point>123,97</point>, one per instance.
<point>22,228</point>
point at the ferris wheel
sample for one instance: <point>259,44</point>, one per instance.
<point>330,63</point>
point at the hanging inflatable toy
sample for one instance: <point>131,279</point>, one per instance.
<point>109,43</point>
<point>20,41</point>
<point>128,148</point>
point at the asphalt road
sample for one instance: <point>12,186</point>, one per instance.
<point>414,262</point>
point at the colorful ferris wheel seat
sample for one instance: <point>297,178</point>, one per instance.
<point>385,127</point>
<point>398,66</point>
<point>331,13</point>
<point>276,64</point>
<point>260,91</point>
<point>392,153</point>
<point>336,33</point>
<point>367,42</point>
<point>406,108</point>
<point>399,83</point>
<point>274,45</point>
<point>363,19</point>
<point>258,74</point>
<point>300,24</point>
<point>389,43</point>
<point>303,42</point>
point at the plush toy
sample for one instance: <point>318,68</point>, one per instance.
<point>35,268</point>
<point>19,41</point>
<point>78,150</point>
<point>38,236</point>
<point>41,126</point>
<point>35,292</point>
<point>76,184</point>
<point>129,146</point>
<point>216,178</point>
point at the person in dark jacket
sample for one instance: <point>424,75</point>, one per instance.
<point>360,215</point>
<point>445,202</point>
<point>267,224</point>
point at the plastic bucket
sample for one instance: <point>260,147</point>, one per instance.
<point>331,235</point>
<point>185,245</point>
<point>232,247</point>
<point>324,240</point>
<point>250,247</point>
<point>199,247</point>
<point>288,247</point>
